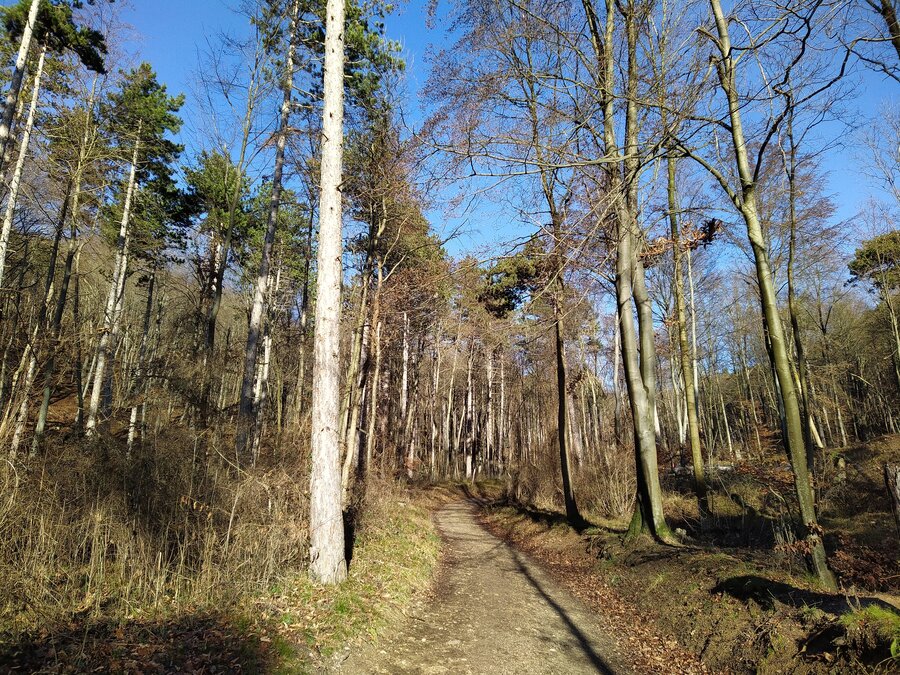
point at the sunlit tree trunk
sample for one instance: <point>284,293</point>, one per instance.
<point>326,525</point>
<point>15,83</point>
<point>138,385</point>
<point>686,367</point>
<point>113,298</point>
<point>246,418</point>
<point>747,205</point>
<point>16,181</point>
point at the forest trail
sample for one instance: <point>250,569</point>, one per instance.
<point>494,611</point>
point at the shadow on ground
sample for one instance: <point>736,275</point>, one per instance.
<point>583,640</point>
<point>766,593</point>
<point>188,644</point>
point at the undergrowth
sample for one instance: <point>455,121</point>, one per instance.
<point>394,557</point>
<point>87,532</point>
<point>107,558</point>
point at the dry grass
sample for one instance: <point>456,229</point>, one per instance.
<point>173,554</point>
<point>85,532</point>
<point>394,558</point>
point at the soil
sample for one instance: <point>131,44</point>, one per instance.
<point>493,610</point>
<point>704,609</point>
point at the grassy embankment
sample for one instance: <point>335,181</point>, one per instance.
<point>168,562</point>
<point>737,594</point>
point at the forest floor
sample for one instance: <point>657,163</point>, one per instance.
<point>291,628</point>
<point>511,589</point>
<point>733,610</point>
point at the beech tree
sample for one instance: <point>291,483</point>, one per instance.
<point>745,199</point>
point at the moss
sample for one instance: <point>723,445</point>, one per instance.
<point>875,619</point>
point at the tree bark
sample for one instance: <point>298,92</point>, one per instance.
<point>15,85</point>
<point>114,296</point>
<point>20,163</point>
<point>687,370</point>
<point>326,525</point>
<point>246,419</point>
<point>747,205</point>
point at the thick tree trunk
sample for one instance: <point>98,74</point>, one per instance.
<point>326,525</point>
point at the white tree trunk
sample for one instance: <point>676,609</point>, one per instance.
<point>116,288</point>
<point>246,422</point>
<point>20,164</point>
<point>326,525</point>
<point>15,86</point>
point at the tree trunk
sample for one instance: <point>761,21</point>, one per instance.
<point>15,85</point>
<point>138,385</point>
<point>22,385</point>
<point>114,297</point>
<point>246,420</point>
<point>326,525</point>
<point>795,436</point>
<point>687,370</point>
<point>892,482</point>
<point>20,163</point>
<point>889,14</point>
<point>562,413</point>
<point>72,256</point>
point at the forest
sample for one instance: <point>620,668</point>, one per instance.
<point>383,336</point>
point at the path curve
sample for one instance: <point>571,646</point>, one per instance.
<point>494,611</point>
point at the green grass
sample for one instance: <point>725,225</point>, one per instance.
<point>394,559</point>
<point>883,622</point>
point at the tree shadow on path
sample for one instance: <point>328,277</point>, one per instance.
<point>766,592</point>
<point>584,642</point>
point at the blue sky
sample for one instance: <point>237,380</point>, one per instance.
<point>172,31</point>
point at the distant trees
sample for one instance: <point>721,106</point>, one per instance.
<point>877,263</point>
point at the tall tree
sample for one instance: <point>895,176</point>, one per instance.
<point>326,525</point>
<point>247,414</point>
<point>745,199</point>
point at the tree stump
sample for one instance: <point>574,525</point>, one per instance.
<point>892,481</point>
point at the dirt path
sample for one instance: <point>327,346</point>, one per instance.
<point>494,612</point>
